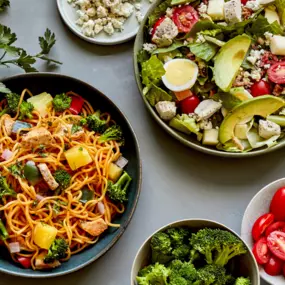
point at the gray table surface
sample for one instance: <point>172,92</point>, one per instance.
<point>178,182</point>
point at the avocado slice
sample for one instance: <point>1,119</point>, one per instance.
<point>259,106</point>
<point>229,60</point>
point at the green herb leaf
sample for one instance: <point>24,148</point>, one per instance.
<point>4,4</point>
<point>16,170</point>
<point>87,195</point>
<point>6,36</point>
<point>75,129</point>
<point>47,42</point>
<point>4,89</point>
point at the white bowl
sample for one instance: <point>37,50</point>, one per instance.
<point>131,26</point>
<point>258,206</point>
<point>245,264</point>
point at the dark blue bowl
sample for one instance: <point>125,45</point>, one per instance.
<point>54,84</point>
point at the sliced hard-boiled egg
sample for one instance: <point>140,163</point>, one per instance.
<point>180,74</point>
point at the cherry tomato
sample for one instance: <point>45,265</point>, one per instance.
<point>276,73</point>
<point>274,266</point>
<point>276,244</point>
<point>277,205</point>
<point>244,2</point>
<point>261,224</point>
<point>278,226</point>
<point>25,261</point>
<point>184,18</point>
<point>157,23</point>
<point>189,104</point>
<point>260,88</point>
<point>283,270</point>
<point>261,252</point>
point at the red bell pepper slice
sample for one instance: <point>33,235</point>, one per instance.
<point>25,261</point>
<point>76,105</point>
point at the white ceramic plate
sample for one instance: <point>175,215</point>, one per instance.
<point>131,26</point>
<point>258,206</point>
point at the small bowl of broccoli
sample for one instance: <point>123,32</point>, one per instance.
<point>194,252</point>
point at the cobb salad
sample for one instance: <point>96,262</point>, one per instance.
<point>215,69</point>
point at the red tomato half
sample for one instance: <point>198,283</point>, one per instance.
<point>283,270</point>
<point>276,244</point>
<point>277,204</point>
<point>274,266</point>
<point>261,252</point>
<point>261,224</point>
<point>157,23</point>
<point>25,261</point>
<point>184,18</point>
<point>278,226</point>
<point>189,104</point>
<point>260,88</point>
<point>276,73</point>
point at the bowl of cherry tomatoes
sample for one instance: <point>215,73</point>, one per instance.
<point>263,229</point>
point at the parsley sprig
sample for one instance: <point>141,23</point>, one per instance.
<point>18,56</point>
<point>4,4</point>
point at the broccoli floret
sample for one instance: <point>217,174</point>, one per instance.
<point>94,122</point>
<point>178,236</point>
<point>25,108</point>
<point>194,255</point>
<point>218,246</point>
<point>161,250</point>
<point>178,280</point>
<point>56,251</point>
<point>182,269</point>
<point>242,281</point>
<point>5,189</point>
<point>113,133</point>
<point>118,191</point>
<point>156,274</point>
<point>63,178</point>
<point>211,274</point>
<point>3,231</point>
<point>181,252</point>
<point>61,102</point>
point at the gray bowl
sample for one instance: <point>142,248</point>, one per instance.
<point>185,139</point>
<point>245,265</point>
<point>55,84</point>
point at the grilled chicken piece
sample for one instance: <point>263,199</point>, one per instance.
<point>94,228</point>
<point>8,123</point>
<point>40,264</point>
<point>47,176</point>
<point>37,136</point>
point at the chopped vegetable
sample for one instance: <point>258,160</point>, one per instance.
<point>77,157</point>
<point>44,235</point>
<point>61,102</point>
<point>14,247</point>
<point>94,122</point>
<point>87,195</point>
<point>76,105</point>
<point>63,178</point>
<point>5,189</point>
<point>121,162</point>
<point>56,251</point>
<point>25,261</point>
<point>7,154</point>
<point>3,231</point>
<point>32,173</point>
<point>113,133</point>
<point>118,191</point>
<point>153,274</point>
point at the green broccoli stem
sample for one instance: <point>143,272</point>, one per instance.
<point>3,231</point>
<point>223,256</point>
<point>124,181</point>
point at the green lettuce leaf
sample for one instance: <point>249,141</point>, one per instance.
<point>169,55</point>
<point>261,25</point>
<point>173,47</point>
<point>280,4</point>
<point>142,56</point>
<point>158,12</point>
<point>152,71</point>
<point>211,33</point>
<point>185,124</point>
<point>256,141</point>
<point>229,101</point>
<point>231,146</point>
<point>205,51</point>
<point>156,94</point>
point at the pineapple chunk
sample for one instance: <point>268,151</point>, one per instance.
<point>44,235</point>
<point>42,103</point>
<point>77,157</point>
<point>114,172</point>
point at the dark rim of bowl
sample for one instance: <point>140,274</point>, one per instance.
<point>125,225</point>
<point>165,126</point>
<point>171,224</point>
